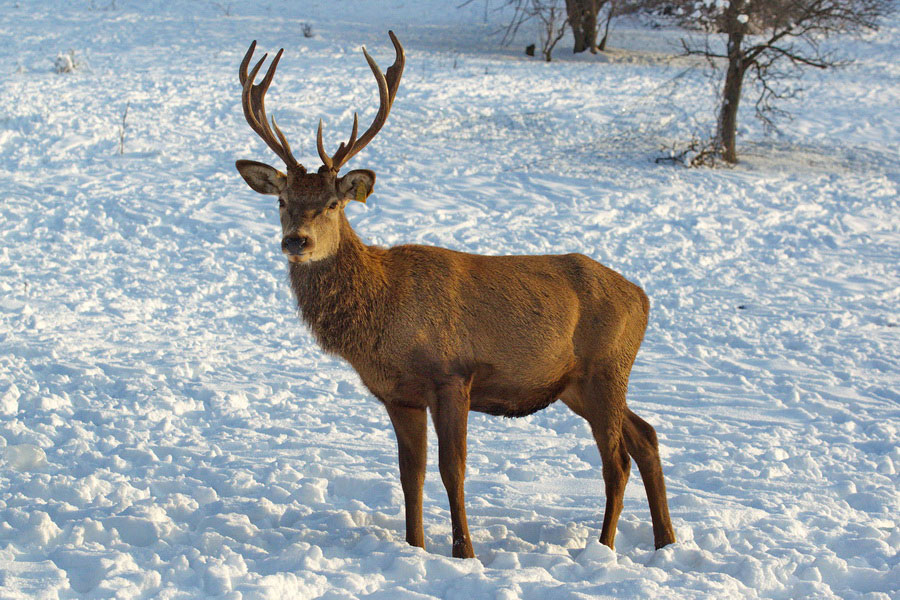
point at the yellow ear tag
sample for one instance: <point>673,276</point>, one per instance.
<point>361,192</point>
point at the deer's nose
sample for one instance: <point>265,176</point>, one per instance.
<point>294,244</point>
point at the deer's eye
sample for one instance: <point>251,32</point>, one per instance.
<point>333,205</point>
<point>281,203</point>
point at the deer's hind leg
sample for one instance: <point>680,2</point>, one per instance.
<point>640,439</point>
<point>601,402</point>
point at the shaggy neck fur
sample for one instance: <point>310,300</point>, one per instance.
<point>341,297</point>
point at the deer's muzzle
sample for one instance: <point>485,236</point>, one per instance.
<point>296,247</point>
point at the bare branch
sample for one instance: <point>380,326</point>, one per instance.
<point>766,40</point>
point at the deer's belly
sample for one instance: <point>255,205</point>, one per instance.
<point>511,398</point>
<point>492,389</point>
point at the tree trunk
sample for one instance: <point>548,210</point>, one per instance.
<point>583,21</point>
<point>734,80</point>
<point>731,100</point>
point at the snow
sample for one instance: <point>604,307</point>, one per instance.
<point>169,429</point>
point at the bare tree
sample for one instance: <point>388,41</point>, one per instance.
<point>584,17</point>
<point>767,40</point>
<point>617,8</point>
<point>553,25</point>
<point>550,16</point>
<point>587,18</point>
<point>583,21</point>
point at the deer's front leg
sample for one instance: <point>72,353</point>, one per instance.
<point>412,445</point>
<point>450,412</point>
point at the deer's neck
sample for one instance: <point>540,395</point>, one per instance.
<point>341,297</point>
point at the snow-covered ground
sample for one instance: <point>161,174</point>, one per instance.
<point>169,429</point>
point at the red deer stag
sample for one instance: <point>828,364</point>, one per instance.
<point>431,328</point>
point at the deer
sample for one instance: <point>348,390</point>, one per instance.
<point>434,331</point>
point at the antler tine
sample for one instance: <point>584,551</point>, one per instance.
<point>245,62</point>
<point>395,71</point>
<point>283,141</point>
<point>339,157</point>
<point>253,102</point>
<point>326,160</point>
<point>387,90</point>
<point>247,99</point>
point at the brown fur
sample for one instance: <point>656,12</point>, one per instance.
<point>444,332</point>
<point>513,333</point>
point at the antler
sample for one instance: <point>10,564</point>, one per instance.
<point>387,89</point>
<point>253,101</point>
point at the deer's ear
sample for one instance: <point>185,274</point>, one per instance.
<point>261,177</point>
<point>356,185</point>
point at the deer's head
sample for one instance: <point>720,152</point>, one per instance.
<point>311,204</point>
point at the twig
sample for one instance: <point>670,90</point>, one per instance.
<point>122,129</point>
